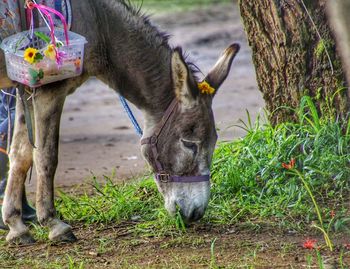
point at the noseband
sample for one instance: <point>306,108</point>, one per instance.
<point>160,173</point>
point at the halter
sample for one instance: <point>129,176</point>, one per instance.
<point>160,173</point>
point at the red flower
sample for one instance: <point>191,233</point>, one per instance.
<point>289,165</point>
<point>332,214</point>
<point>347,246</point>
<point>310,243</point>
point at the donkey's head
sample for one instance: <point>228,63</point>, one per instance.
<point>184,145</point>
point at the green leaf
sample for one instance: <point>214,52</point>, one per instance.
<point>33,73</point>
<point>59,44</point>
<point>35,76</point>
<point>38,57</point>
<point>41,74</point>
<point>43,37</point>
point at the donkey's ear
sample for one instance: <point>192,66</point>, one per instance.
<point>182,79</point>
<point>219,72</point>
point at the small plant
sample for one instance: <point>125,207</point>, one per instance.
<point>319,216</point>
<point>319,260</point>
<point>40,232</point>
<point>73,264</point>
<point>180,224</point>
<point>309,261</point>
<point>213,262</point>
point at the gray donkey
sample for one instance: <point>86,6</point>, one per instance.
<point>129,54</point>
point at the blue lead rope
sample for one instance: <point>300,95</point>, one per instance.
<point>131,115</point>
<point>58,6</point>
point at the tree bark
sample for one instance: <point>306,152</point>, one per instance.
<point>339,16</point>
<point>290,58</point>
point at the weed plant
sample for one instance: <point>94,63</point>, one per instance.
<point>249,183</point>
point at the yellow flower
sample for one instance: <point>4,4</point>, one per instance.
<point>205,88</point>
<point>29,55</point>
<point>50,52</point>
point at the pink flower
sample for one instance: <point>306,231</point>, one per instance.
<point>309,243</point>
<point>60,55</point>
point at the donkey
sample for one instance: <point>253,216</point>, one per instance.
<point>129,54</point>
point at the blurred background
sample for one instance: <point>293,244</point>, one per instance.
<point>177,5</point>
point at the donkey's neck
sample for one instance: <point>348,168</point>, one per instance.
<point>127,52</point>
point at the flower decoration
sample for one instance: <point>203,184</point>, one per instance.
<point>289,165</point>
<point>60,55</point>
<point>310,244</point>
<point>50,52</point>
<point>44,56</point>
<point>205,88</point>
<point>30,55</point>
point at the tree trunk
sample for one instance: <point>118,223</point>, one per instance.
<point>338,12</point>
<point>290,58</point>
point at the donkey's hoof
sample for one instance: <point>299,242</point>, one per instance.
<point>22,239</point>
<point>60,231</point>
<point>68,237</point>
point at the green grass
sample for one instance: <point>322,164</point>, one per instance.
<point>139,201</point>
<point>249,179</point>
<point>248,182</point>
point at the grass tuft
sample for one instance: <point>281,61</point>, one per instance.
<point>249,180</point>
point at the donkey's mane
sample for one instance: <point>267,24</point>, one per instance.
<point>137,11</point>
<point>137,53</point>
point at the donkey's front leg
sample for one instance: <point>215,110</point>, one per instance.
<point>48,107</point>
<point>21,159</point>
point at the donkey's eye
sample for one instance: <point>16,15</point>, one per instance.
<point>190,145</point>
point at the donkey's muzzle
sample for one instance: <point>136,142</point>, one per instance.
<point>191,214</point>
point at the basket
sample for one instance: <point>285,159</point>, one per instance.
<point>46,70</point>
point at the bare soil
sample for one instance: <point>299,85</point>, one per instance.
<point>202,246</point>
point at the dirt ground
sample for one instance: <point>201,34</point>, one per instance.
<point>96,135</point>
<point>248,245</point>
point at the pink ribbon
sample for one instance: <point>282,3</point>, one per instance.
<point>46,11</point>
